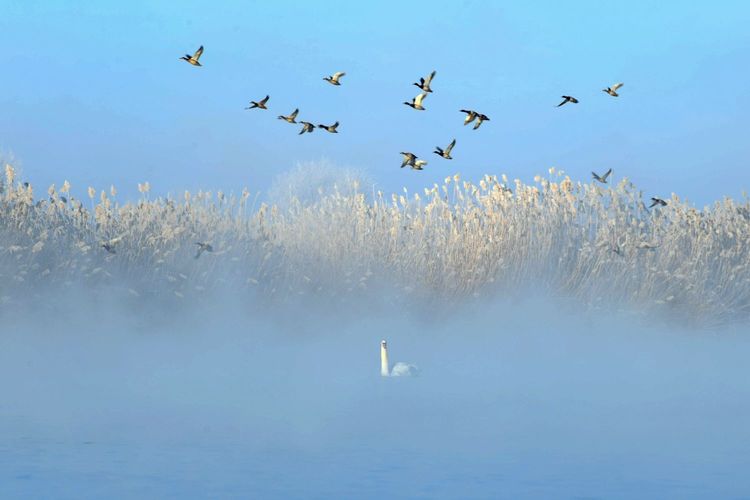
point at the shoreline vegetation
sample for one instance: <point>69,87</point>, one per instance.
<point>598,245</point>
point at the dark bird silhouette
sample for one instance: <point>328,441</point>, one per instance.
<point>470,116</point>
<point>203,247</point>
<point>194,58</point>
<point>445,153</point>
<point>481,118</point>
<point>260,104</point>
<point>613,89</point>
<point>416,103</point>
<point>291,118</point>
<point>409,159</point>
<point>307,127</point>
<point>424,83</point>
<point>567,99</point>
<point>330,128</point>
<point>334,79</point>
<point>601,178</point>
<point>657,201</point>
<point>109,247</point>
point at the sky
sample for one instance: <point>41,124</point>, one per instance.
<point>95,93</point>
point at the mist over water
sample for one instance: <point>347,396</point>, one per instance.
<point>559,357</point>
<point>517,397</point>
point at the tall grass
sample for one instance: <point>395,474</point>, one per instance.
<point>598,245</point>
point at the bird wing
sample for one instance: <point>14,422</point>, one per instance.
<point>418,100</point>
<point>429,78</point>
<point>470,115</point>
<point>565,100</point>
<point>617,86</point>
<point>198,53</point>
<point>335,125</point>
<point>338,75</point>
<point>294,114</point>
<point>265,99</point>
<point>607,173</point>
<point>450,147</point>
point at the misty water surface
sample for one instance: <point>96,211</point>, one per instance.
<point>519,400</point>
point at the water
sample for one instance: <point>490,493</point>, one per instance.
<point>528,406</point>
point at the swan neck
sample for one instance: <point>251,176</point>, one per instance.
<point>384,359</point>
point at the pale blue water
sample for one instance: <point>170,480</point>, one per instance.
<point>531,407</point>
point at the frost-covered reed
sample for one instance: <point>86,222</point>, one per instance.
<point>597,245</point>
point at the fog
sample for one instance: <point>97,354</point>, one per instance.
<point>225,398</point>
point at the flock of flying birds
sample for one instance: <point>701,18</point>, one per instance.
<point>409,158</point>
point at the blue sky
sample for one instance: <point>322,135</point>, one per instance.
<point>93,92</point>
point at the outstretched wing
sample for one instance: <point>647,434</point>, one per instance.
<point>418,100</point>
<point>470,115</point>
<point>294,114</point>
<point>265,100</point>
<point>450,147</point>
<point>606,174</point>
<point>338,75</point>
<point>198,53</point>
<point>429,78</point>
<point>617,86</point>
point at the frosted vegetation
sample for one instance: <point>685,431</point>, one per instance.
<point>596,245</point>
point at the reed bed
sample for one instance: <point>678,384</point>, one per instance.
<point>597,246</point>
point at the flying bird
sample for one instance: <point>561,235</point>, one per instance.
<point>567,99</point>
<point>613,89</point>
<point>330,128</point>
<point>334,79</point>
<point>307,127</point>
<point>424,83</point>
<point>601,178</point>
<point>445,153</point>
<point>194,58</point>
<point>291,118</point>
<point>470,116</point>
<point>203,247</point>
<point>109,246</point>
<point>418,165</point>
<point>260,104</point>
<point>409,159</point>
<point>657,201</point>
<point>480,119</point>
<point>416,103</point>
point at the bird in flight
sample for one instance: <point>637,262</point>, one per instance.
<point>657,201</point>
<point>601,178</point>
<point>470,116</point>
<point>567,99</point>
<point>613,89</point>
<point>445,153</point>
<point>409,158</point>
<point>416,103</point>
<point>480,119</point>
<point>418,165</point>
<point>291,118</point>
<point>307,127</point>
<point>260,104</point>
<point>194,58</point>
<point>334,79</point>
<point>203,247</point>
<point>109,246</point>
<point>330,128</point>
<point>424,83</point>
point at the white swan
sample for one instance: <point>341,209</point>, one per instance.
<point>400,369</point>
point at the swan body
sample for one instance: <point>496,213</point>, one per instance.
<point>400,369</point>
